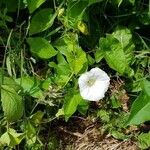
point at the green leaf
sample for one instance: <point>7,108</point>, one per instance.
<point>132,2</point>
<point>71,103</point>
<point>37,118</point>
<point>144,140</point>
<point>31,86</point>
<point>12,103</point>
<point>117,49</point>
<point>41,47</point>
<point>115,102</point>
<point>8,64</point>
<point>140,108</point>
<point>31,133</point>
<point>103,115</point>
<point>9,82</point>
<point>34,4</point>
<point>76,57</point>
<point>75,11</point>
<point>11,138</point>
<point>83,106</point>
<point>41,21</point>
<point>99,55</point>
<point>91,60</point>
<point>119,135</point>
<point>124,36</point>
<point>94,1</point>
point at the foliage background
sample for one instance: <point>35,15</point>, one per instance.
<point>46,45</point>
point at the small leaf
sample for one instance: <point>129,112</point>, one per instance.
<point>8,64</point>
<point>103,115</point>
<point>34,4</point>
<point>119,135</point>
<point>115,102</point>
<point>12,103</point>
<point>140,108</point>
<point>41,21</point>
<point>60,112</point>
<point>83,28</point>
<point>144,140</point>
<point>41,47</point>
<point>37,118</point>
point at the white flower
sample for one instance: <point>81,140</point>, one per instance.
<point>93,84</point>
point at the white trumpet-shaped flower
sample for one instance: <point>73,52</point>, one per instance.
<point>93,84</point>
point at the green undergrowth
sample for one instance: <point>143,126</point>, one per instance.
<point>46,45</point>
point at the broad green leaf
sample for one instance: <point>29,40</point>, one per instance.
<point>12,103</point>
<point>34,4</point>
<point>9,82</point>
<point>41,21</point>
<point>144,140</point>
<point>41,47</point>
<point>71,103</point>
<point>31,86</point>
<point>62,69</point>
<point>124,36</point>
<point>140,108</point>
<point>76,57</point>
<point>11,138</point>
<point>117,49</point>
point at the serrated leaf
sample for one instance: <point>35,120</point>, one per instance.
<point>140,108</point>
<point>34,4</point>
<point>41,21</point>
<point>41,47</point>
<point>12,103</point>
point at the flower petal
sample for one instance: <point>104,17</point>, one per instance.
<point>96,91</point>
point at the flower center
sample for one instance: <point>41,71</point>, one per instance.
<point>90,82</point>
